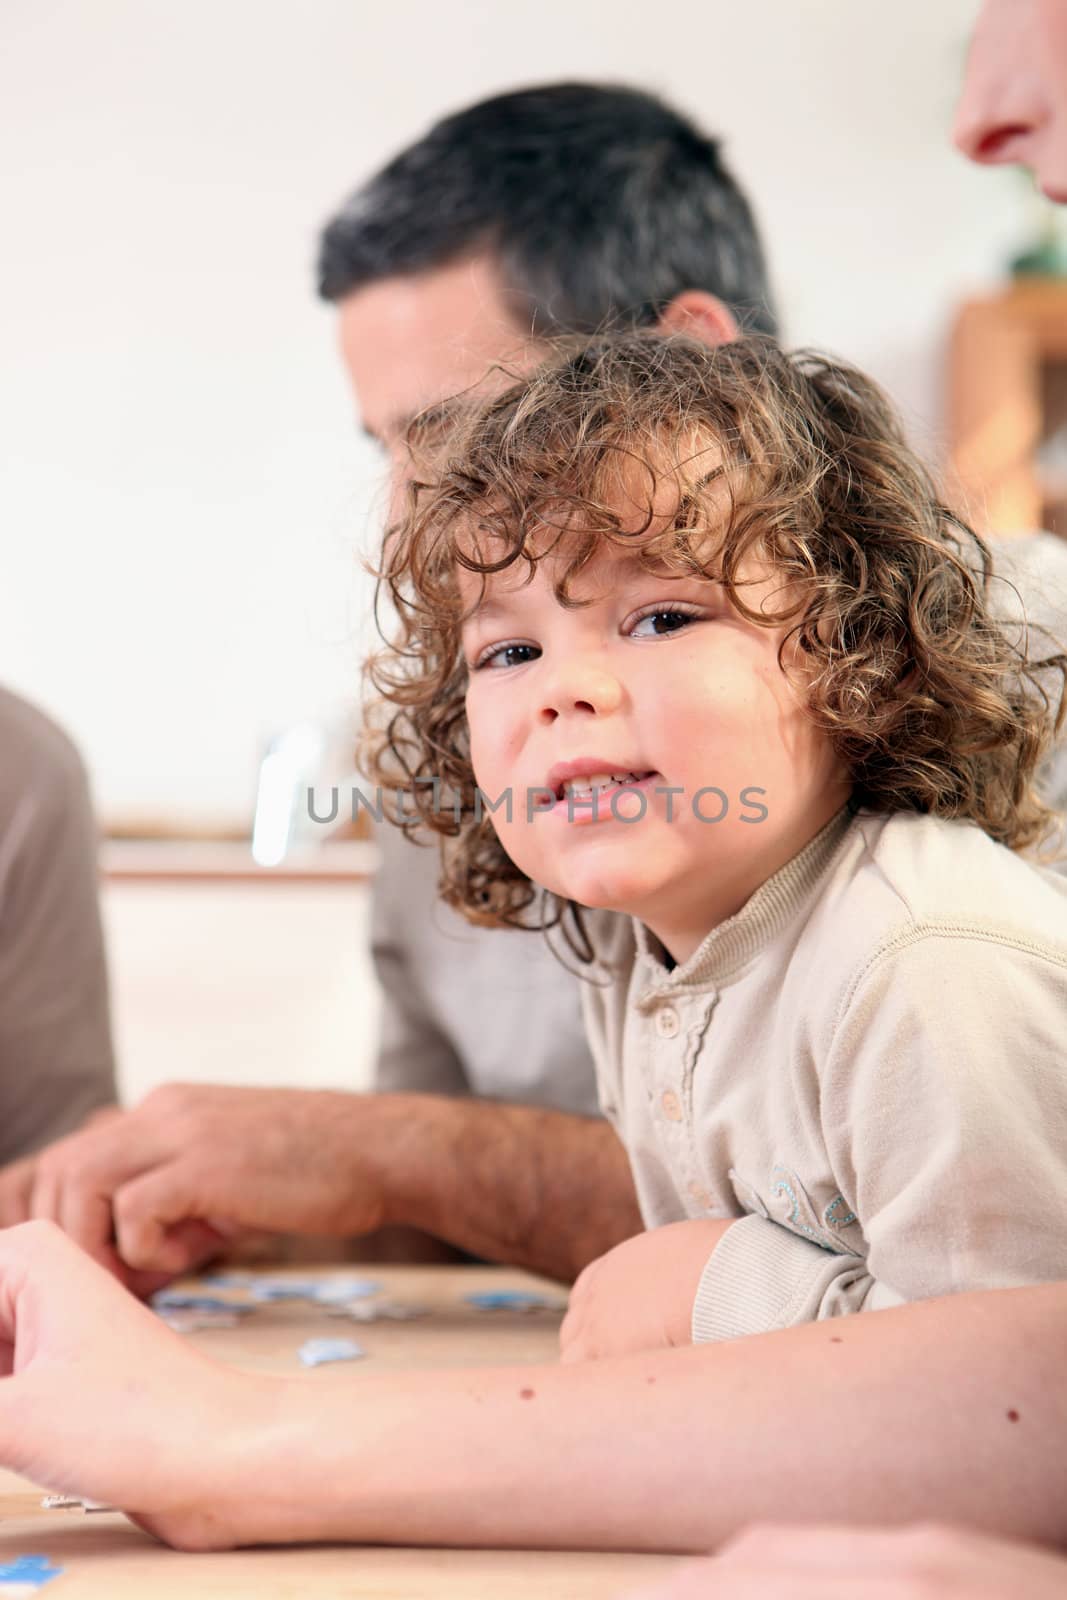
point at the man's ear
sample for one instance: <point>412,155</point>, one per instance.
<point>702,316</point>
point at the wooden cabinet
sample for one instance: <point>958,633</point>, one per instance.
<point>1008,408</point>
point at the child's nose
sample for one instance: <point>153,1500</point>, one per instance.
<point>580,689</point>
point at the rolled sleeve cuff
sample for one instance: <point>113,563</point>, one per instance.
<point>761,1277</point>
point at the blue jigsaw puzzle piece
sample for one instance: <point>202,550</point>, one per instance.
<point>27,1572</point>
<point>509,1300</point>
<point>318,1352</point>
<point>178,1300</point>
<point>282,1289</point>
<point>339,1291</point>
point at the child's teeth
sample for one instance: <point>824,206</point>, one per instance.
<point>599,780</point>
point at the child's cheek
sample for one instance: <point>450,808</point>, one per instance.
<point>491,758</point>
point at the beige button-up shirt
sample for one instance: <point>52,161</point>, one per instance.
<point>867,1066</point>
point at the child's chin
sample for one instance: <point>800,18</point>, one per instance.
<point>604,893</point>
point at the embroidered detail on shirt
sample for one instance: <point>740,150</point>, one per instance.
<point>831,1216</point>
<point>787,1183</point>
<point>804,1218</point>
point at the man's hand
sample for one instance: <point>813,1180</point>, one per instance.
<point>165,1186</point>
<point>640,1295</point>
<point>913,1563</point>
<point>16,1191</point>
<point>18,1177</point>
<point>82,1362</point>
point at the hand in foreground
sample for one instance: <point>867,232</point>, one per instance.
<point>640,1295</point>
<point>99,1399</point>
<point>920,1562</point>
<point>165,1186</point>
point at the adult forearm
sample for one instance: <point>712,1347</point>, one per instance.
<point>193,1165</point>
<point>538,1189</point>
<point>954,1409</point>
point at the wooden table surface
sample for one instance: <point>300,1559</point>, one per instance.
<point>104,1555</point>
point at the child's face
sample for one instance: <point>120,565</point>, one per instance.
<point>660,678</point>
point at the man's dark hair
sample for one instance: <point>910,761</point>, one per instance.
<point>601,204</point>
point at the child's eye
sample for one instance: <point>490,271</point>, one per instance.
<point>507,655</point>
<point>663,620</point>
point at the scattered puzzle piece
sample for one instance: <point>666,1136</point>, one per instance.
<point>73,1502</point>
<point>378,1311</point>
<point>193,1321</point>
<point>512,1300</point>
<point>317,1352</point>
<point>25,1575</point>
<point>267,1289</point>
<point>180,1300</point>
<point>339,1291</point>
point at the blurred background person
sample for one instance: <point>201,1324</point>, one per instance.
<point>56,1061</point>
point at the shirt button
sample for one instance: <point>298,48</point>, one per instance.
<point>700,1195</point>
<point>672,1106</point>
<point>667,1023</point>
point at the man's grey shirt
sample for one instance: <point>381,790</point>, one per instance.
<point>470,1011</point>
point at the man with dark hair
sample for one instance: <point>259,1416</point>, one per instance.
<point>598,204</point>
<point>565,207</point>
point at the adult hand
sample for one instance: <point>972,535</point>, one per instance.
<point>18,1177</point>
<point>640,1295</point>
<point>16,1191</point>
<point>919,1562</point>
<point>167,1185</point>
<point>99,1399</point>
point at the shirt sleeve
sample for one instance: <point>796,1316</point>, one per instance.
<point>944,1112</point>
<point>56,1056</point>
<point>414,1054</point>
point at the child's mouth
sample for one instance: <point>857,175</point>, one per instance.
<point>601,797</point>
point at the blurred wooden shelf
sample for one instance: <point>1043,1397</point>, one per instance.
<point>1008,357</point>
<point>188,861</point>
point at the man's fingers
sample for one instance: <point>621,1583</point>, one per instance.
<point>161,1220</point>
<point>77,1177</point>
<point>86,1217</point>
<point>16,1192</point>
<point>44,1195</point>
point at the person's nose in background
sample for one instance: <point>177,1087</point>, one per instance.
<point>1013,108</point>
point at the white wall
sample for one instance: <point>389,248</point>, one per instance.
<point>182,494</point>
<point>254,984</point>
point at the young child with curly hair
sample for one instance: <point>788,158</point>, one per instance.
<point>686,634</point>
<point>646,586</point>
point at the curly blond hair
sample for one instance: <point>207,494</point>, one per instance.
<point>927,699</point>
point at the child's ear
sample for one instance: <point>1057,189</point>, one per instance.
<point>702,316</point>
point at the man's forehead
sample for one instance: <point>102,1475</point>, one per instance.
<point>413,341</point>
